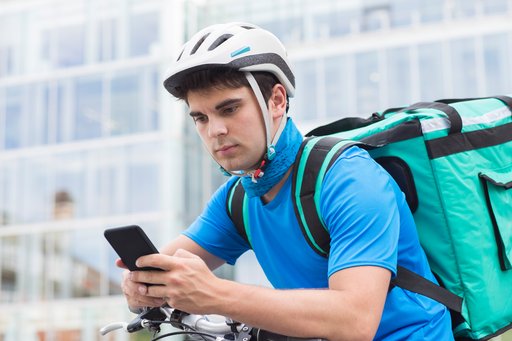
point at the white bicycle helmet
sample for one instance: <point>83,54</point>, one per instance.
<point>242,47</point>
<point>237,46</point>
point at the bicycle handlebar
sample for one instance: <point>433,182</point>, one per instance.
<point>227,330</point>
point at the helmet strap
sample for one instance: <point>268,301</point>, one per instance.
<point>270,141</point>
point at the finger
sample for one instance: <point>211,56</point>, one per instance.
<point>120,264</point>
<point>146,277</point>
<point>155,260</point>
<point>136,295</point>
<point>145,302</point>
<point>158,291</point>
<point>165,262</point>
<point>133,288</point>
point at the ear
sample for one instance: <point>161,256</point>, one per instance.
<point>277,101</point>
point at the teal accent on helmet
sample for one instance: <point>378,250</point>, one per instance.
<point>241,51</point>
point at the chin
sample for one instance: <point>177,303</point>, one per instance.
<point>233,168</point>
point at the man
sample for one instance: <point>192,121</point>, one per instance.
<point>236,80</point>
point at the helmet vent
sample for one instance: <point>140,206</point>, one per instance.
<point>198,44</point>
<point>219,41</point>
<point>181,54</point>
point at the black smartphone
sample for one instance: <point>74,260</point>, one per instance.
<point>130,243</point>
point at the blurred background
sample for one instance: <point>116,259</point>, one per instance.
<point>89,139</point>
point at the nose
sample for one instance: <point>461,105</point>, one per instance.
<point>216,127</point>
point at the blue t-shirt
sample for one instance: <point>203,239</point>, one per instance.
<point>369,223</point>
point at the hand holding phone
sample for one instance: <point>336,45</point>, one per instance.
<point>130,243</point>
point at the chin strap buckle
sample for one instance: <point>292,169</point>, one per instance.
<point>271,152</point>
<point>258,173</point>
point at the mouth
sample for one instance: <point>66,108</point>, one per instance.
<point>225,149</point>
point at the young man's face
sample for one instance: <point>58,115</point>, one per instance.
<point>231,126</point>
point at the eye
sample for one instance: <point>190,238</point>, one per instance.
<point>200,118</point>
<point>230,110</point>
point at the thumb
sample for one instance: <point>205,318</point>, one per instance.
<point>184,254</point>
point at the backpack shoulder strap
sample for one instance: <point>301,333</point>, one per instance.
<point>236,206</point>
<point>315,157</point>
<point>312,155</point>
<point>409,280</point>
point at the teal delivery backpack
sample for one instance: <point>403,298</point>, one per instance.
<point>453,161</point>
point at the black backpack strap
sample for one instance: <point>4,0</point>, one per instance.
<point>451,112</point>
<point>409,280</point>
<point>345,124</point>
<point>235,206</point>
<point>314,158</point>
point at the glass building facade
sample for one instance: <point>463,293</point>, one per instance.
<point>89,139</point>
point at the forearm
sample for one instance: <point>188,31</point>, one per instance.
<point>322,313</point>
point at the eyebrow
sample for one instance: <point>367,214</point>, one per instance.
<point>227,102</point>
<point>219,106</point>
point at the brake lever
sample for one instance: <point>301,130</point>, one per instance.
<point>147,319</point>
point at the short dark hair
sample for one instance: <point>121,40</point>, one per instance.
<point>222,78</point>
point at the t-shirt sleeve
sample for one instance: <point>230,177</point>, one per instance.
<point>359,208</point>
<point>214,231</point>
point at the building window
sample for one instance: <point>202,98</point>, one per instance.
<point>334,23</point>
<point>368,79</point>
<point>144,33</point>
<point>496,6</point>
<point>10,39</point>
<point>289,29</point>
<point>194,167</point>
<point>399,88</point>
<point>464,8</point>
<point>108,45</point>
<point>63,46</point>
<point>375,18</point>
<point>464,67</point>
<point>86,275</point>
<point>404,13</point>
<point>6,60</point>
<point>338,87</point>
<point>88,116</point>
<point>33,189</point>
<point>431,11</point>
<point>143,177</point>
<point>431,77</point>
<point>125,104</point>
<point>15,117</point>
<point>497,57</point>
<point>304,105</point>
<point>107,186</point>
<point>8,190</point>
